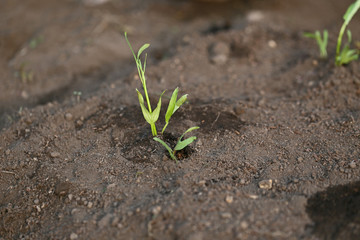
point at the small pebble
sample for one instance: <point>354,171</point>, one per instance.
<point>79,123</point>
<point>265,184</point>
<point>229,199</point>
<point>156,210</point>
<point>244,225</point>
<point>68,116</point>
<point>272,44</point>
<point>73,236</point>
<point>255,16</point>
<point>55,154</point>
<point>36,201</point>
<point>202,182</point>
<point>7,152</point>
<point>90,205</point>
<point>253,196</point>
<point>300,159</point>
<point>226,215</point>
<point>352,164</point>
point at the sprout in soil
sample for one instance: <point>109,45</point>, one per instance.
<point>321,41</point>
<point>150,116</point>
<point>181,144</point>
<point>347,55</point>
<point>174,105</point>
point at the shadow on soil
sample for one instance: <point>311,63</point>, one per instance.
<point>132,134</point>
<point>336,212</point>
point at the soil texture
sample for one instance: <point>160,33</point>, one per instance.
<point>277,154</point>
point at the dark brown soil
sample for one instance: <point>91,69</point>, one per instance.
<point>277,154</point>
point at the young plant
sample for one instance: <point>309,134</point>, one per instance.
<point>150,116</point>
<point>321,41</point>
<point>174,105</point>
<point>346,55</point>
<point>180,143</point>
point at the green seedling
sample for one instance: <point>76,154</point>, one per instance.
<point>24,74</point>
<point>181,144</point>
<point>346,55</point>
<point>174,105</point>
<point>150,116</point>
<point>321,41</point>
<point>35,42</point>
<point>78,95</point>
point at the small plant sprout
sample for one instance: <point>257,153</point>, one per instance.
<point>181,144</point>
<point>174,105</point>
<point>321,41</point>
<point>150,116</point>
<point>346,55</point>
<point>78,95</point>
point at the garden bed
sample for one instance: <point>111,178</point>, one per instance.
<point>277,154</point>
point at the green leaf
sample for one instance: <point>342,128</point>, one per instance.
<point>182,144</point>
<point>321,41</point>
<point>350,12</point>
<point>325,37</point>
<point>189,130</point>
<point>180,102</point>
<point>309,35</point>
<point>145,63</point>
<point>347,55</point>
<point>132,51</point>
<point>171,105</point>
<point>349,35</point>
<point>145,112</point>
<point>156,112</point>
<point>167,147</point>
<point>143,47</point>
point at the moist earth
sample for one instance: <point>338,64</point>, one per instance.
<point>277,154</point>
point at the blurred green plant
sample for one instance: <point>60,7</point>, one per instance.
<point>78,95</point>
<point>35,42</point>
<point>346,55</point>
<point>321,41</point>
<point>24,73</point>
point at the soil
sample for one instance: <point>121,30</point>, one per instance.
<point>277,154</point>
